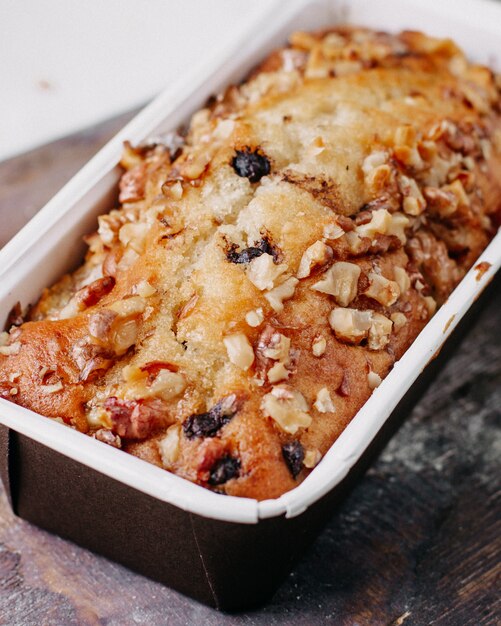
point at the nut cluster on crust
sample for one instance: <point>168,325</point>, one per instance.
<point>375,274</point>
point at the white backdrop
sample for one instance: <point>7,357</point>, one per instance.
<point>67,64</point>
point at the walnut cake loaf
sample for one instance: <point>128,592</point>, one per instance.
<point>266,266</point>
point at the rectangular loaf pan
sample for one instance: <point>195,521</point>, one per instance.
<point>185,536</point>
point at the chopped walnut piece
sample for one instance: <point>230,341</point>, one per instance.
<point>195,165</point>
<point>431,305</point>
<point>350,325</point>
<point>323,402</point>
<point>459,192</point>
<point>87,296</point>
<point>384,291</point>
<point>399,222</point>
<point>379,332</point>
<point>128,307</point>
<point>402,279</point>
<point>98,417</point>
<point>319,345</point>
<point>263,273</point>
<point>11,350</point>
<point>316,255</point>
<point>312,458</point>
<point>340,281</point>
<point>116,327</point>
<point>4,338</point>
<point>173,189</point>
<point>287,407</point>
<point>379,224</point>
<point>413,202</point>
<point>441,201</point>
<point>48,389</point>
<point>106,436</point>
<point>332,232</point>
<point>255,318</point>
<point>373,379</point>
<point>169,446</point>
<point>373,161</point>
<point>278,372</point>
<point>399,320</point>
<point>239,350</point>
<point>277,348</point>
<point>134,235</point>
<point>167,385</point>
<point>284,291</point>
<point>136,419</point>
<point>144,289</point>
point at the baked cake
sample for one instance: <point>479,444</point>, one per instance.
<point>265,267</point>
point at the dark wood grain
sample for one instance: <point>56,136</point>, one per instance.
<point>417,542</point>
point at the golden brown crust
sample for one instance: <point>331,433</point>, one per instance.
<point>265,272</point>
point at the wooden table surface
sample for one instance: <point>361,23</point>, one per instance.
<point>417,542</point>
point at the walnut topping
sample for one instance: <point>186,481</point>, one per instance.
<point>87,296</point>
<point>397,226</point>
<point>323,402</point>
<point>459,192</point>
<point>373,379</point>
<point>282,292</point>
<point>332,232</point>
<point>379,332</point>
<point>144,289</point>
<point>48,389</point>
<point>97,417</point>
<point>319,345</point>
<point>11,350</point>
<point>195,165</point>
<point>340,281</point>
<point>379,224</point>
<point>173,189</point>
<point>116,327</point>
<point>317,254</point>
<point>406,149</point>
<point>431,305</point>
<point>106,436</point>
<point>312,458</point>
<point>4,338</point>
<point>278,372</point>
<point>352,326</point>
<point>287,407</point>
<point>277,348</point>
<point>134,236</point>
<point>255,318</point>
<point>441,201</point>
<point>399,320</point>
<point>413,202</point>
<point>169,446</point>
<point>153,380</point>
<point>373,161</point>
<point>239,350</point>
<point>384,291</point>
<point>263,273</point>
<point>128,307</point>
<point>402,279</point>
<point>377,172</point>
